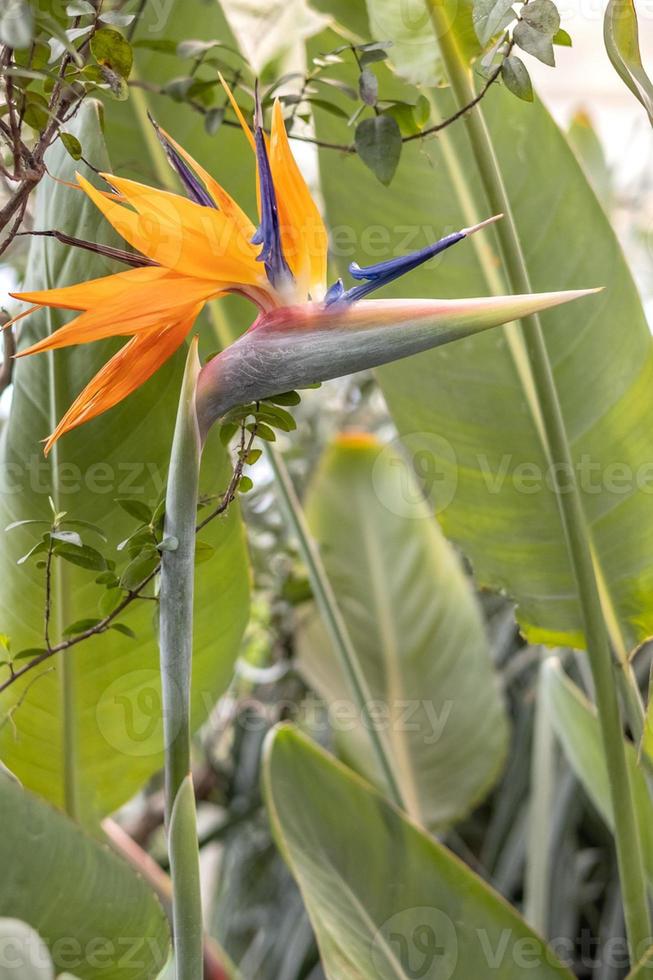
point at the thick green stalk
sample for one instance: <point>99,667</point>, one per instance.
<point>540,814</point>
<point>332,617</point>
<point>176,645</point>
<point>629,850</point>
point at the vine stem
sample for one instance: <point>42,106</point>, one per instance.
<point>576,532</point>
<point>332,617</point>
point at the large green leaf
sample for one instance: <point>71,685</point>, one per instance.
<point>577,728</point>
<point>643,970</point>
<point>96,915</point>
<point>386,901</point>
<point>416,628</point>
<point>621,36</point>
<point>470,412</point>
<point>87,733</point>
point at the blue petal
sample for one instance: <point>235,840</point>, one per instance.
<point>334,292</point>
<point>373,277</point>
<point>268,233</point>
<point>193,187</point>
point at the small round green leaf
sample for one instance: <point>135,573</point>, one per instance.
<point>135,508</point>
<point>516,78</point>
<point>535,43</point>
<point>542,15</point>
<point>378,144</point>
<point>368,87</point>
<point>72,144</point>
<point>113,51</point>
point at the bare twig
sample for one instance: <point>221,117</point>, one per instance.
<point>48,594</point>
<point>465,109</point>
<point>347,148</point>
<point>104,624</point>
<point>8,351</point>
<point>8,718</point>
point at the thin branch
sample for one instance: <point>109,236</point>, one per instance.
<point>29,166</point>
<point>134,24</point>
<point>133,594</point>
<point>8,351</point>
<point>347,148</point>
<point>8,718</point>
<point>465,109</point>
<point>48,594</point>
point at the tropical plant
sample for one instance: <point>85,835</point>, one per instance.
<point>362,596</point>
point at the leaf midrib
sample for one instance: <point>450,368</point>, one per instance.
<point>392,672</point>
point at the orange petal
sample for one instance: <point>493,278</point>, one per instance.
<point>248,133</point>
<point>84,295</point>
<point>133,311</point>
<point>224,200</point>
<point>124,373</point>
<point>303,235</point>
<point>241,119</point>
<point>19,316</point>
<point>178,233</point>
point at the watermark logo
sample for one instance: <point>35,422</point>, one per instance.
<point>130,714</point>
<point>421,940</point>
<point>422,466</point>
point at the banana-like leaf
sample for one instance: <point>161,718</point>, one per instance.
<point>577,728</point>
<point>646,743</point>
<point>585,143</point>
<point>471,410</point>
<point>416,628</point>
<point>298,346</point>
<point>643,970</point>
<point>95,914</point>
<point>85,729</point>
<point>344,843</point>
<point>621,36</point>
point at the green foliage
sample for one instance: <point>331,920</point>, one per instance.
<point>490,17</point>
<point>516,78</point>
<point>470,412</point>
<point>536,42</point>
<point>85,902</point>
<point>17,24</point>
<point>574,720</point>
<point>621,36</point>
<point>428,672</point>
<point>378,143</point>
<point>437,916</point>
<point>85,729</point>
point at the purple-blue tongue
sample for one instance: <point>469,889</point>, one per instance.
<point>374,276</point>
<point>268,233</point>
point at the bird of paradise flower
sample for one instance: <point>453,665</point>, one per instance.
<point>190,250</point>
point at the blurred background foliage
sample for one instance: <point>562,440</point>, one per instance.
<point>499,780</point>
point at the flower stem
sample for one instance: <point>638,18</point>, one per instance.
<point>576,532</point>
<point>176,645</point>
<point>332,617</point>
